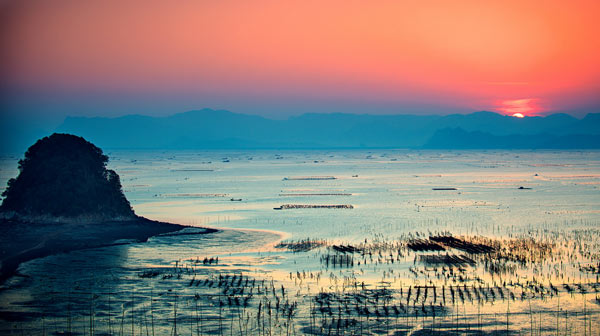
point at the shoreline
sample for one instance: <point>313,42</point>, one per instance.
<point>22,242</point>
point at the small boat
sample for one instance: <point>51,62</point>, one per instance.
<point>278,208</point>
<point>235,199</point>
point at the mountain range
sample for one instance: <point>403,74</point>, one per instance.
<point>218,129</point>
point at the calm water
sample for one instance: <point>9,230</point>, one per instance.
<point>125,289</point>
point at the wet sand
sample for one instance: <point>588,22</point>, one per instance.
<point>22,242</point>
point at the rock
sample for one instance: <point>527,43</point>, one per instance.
<point>64,178</point>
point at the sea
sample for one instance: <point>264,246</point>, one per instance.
<point>319,242</point>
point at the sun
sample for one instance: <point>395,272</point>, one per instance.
<point>520,108</point>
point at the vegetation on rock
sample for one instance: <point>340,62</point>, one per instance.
<point>65,176</point>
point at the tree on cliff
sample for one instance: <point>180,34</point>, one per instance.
<point>64,175</point>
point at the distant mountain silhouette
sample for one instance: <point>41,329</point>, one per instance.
<point>458,138</point>
<point>64,177</point>
<point>217,129</point>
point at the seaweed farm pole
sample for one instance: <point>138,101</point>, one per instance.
<point>175,317</point>
<point>191,321</point>
<point>566,323</point>
<point>151,309</point>
<point>109,313</point>
<point>201,323</point>
<point>433,322</point>
<point>557,314</point>
<point>69,319</point>
<point>530,315</point>
<point>220,317</point>
<point>132,315</point>
<point>507,313</point>
<point>122,319</point>
<point>196,311</point>
<point>479,316</point>
<point>145,323</point>
<point>310,315</point>
<point>92,316</point>
<point>584,316</point>
<point>455,306</point>
<point>231,322</point>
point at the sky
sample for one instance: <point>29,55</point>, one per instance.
<point>282,58</point>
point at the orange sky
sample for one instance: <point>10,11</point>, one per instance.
<point>263,56</point>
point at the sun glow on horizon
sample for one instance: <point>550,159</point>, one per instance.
<point>520,107</point>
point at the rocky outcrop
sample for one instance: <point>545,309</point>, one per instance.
<point>63,178</point>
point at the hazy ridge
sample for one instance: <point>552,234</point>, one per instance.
<point>218,129</point>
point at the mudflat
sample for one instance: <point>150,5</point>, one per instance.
<point>21,241</point>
